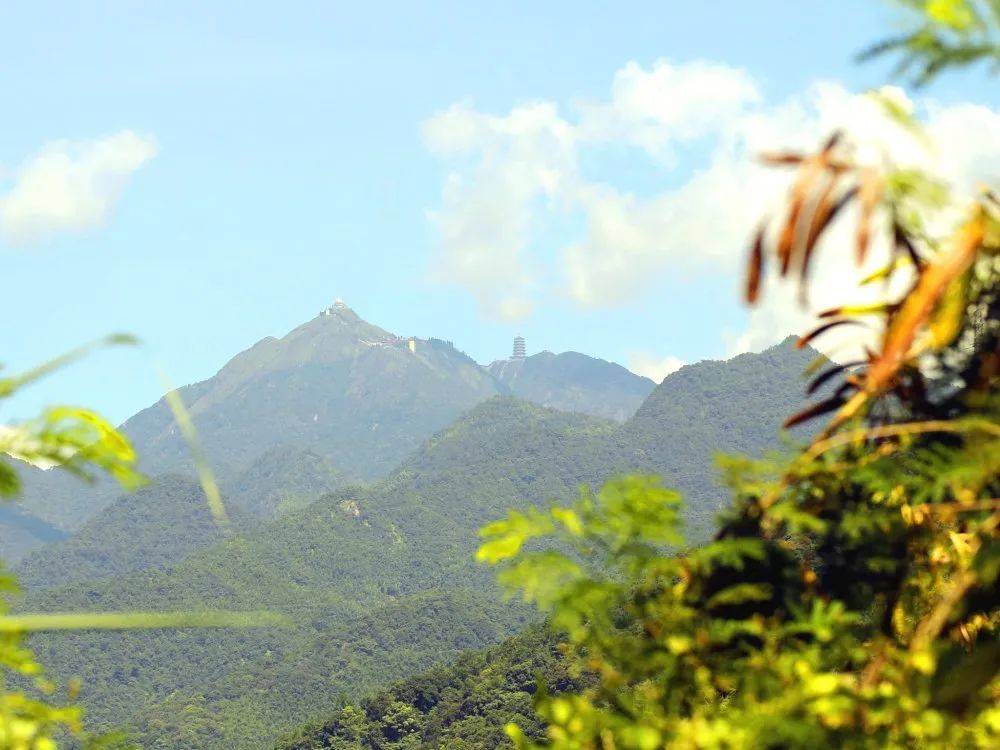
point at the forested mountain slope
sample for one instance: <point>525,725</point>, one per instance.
<point>701,410</point>
<point>283,479</point>
<point>22,532</point>
<point>349,554</point>
<point>348,391</point>
<point>153,527</point>
<point>358,550</point>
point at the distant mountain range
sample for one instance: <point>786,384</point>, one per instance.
<point>354,396</point>
<point>574,382</point>
<point>363,559</point>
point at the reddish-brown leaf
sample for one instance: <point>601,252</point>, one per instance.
<point>810,173</point>
<point>816,410</point>
<point>828,205</point>
<point>756,268</point>
<point>827,375</point>
<point>869,196</point>
<point>804,341</point>
<point>782,158</point>
<point>826,211</point>
<point>920,304</point>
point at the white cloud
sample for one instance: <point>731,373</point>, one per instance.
<point>653,367</point>
<point>490,207</point>
<point>656,108</point>
<point>516,177</point>
<point>71,187</point>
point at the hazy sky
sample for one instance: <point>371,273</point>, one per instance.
<point>207,174</point>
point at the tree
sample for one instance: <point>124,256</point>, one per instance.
<point>850,597</point>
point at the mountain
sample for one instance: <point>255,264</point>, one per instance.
<point>166,520</point>
<point>282,479</point>
<point>411,534</point>
<point>353,394</point>
<point>338,386</point>
<point>354,397</point>
<point>737,404</point>
<point>153,527</point>
<point>574,382</point>
<point>712,407</point>
<point>403,637</point>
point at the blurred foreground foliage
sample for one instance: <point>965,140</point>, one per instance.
<point>943,34</point>
<point>850,598</point>
<point>80,441</point>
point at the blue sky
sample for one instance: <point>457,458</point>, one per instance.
<point>287,163</point>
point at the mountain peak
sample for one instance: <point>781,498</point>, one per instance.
<point>340,309</point>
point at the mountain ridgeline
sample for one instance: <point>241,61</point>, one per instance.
<point>372,566</point>
<point>574,382</point>
<point>355,397</point>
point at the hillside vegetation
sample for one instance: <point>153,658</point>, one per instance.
<point>463,706</point>
<point>361,549</point>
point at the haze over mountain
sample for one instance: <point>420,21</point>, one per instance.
<point>574,382</point>
<point>21,532</point>
<point>385,549</point>
<point>355,397</point>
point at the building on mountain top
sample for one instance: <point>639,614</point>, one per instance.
<point>518,348</point>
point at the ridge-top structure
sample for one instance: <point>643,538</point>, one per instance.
<point>519,351</point>
<point>338,306</point>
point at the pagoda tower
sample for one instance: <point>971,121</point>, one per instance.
<point>518,348</point>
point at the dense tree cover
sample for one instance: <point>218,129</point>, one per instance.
<point>251,707</point>
<point>283,479</point>
<point>168,519</point>
<point>710,408</point>
<point>153,527</point>
<point>463,706</point>
<point>352,552</point>
<point>22,532</point>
